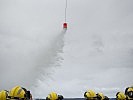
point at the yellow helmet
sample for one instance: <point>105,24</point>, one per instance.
<point>52,96</point>
<point>16,92</point>
<point>3,95</point>
<point>100,96</point>
<point>90,94</point>
<point>120,96</point>
<point>129,92</point>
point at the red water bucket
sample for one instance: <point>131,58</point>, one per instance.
<point>65,25</point>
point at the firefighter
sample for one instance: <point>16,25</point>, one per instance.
<point>3,95</point>
<point>19,93</point>
<point>90,95</point>
<point>54,96</point>
<point>129,93</point>
<point>100,96</point>
<point>120,96</point>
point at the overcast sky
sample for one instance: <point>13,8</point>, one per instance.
<point>96,52</point>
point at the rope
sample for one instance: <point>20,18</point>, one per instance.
<point>65,10</point>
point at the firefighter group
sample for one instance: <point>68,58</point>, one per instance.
<point>21,93</point>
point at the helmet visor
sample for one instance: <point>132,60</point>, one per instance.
<point>92,98</point>
<point>14,98</point>
<point>130,94</point>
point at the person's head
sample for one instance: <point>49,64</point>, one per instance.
<point>129,93</point>
<point>100,96</point>
<point>3,95</point>
<point>106,98</point>
<point>60,97</point>
<point>120,96</point>
<point>90,95</point>
<point>18,93</point>
<point>52,96</point>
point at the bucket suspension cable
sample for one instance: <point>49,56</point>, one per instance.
<point>66,11</point>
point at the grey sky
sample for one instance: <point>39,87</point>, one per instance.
<point>96,51</point>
